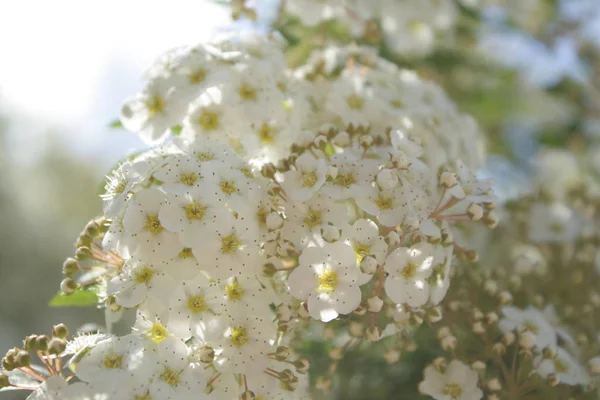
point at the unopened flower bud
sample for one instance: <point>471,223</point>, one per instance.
<point>206,354</point>
<point>320,142</point>
<point>283,312</point>
<point>491,220</point>
<point>60,331</point>
<point>440,364</point>
<point>448,179</point>
<point>323,383</point>
<point>392,356</point>
<point>282,353</point>
<point>477,314</point>
<point>552,380</point>
<point>373,334</point>
<point>443,332</point>
<point>478,328</point>
<point>392,239</point>
<point>505,298</point>
<point>478,366</point>
<point>387,179</point>
<point>366,141</point>
<point>368,265</point>
<point>22,359</point>
<point>494,385</point>
<point>269,270</point>
<point>274,221</point>
<point>342,139</point>
<point>248,395</point>
<point>475,212</point>
<point>68,286</point>
<point>527,340</point>
<point>449,343</point>
<point>29,343</point>
<point>92,229</point>
<point>56,346</point>
<point>360,310</point>
<point>302,365</point>
<point>498,349</point>
<point>4,381</point>
<point>268,171</point>
<point>356,329</point>
<point>490,287</point>
<point>335,354</point>
<point>330,233</point>
<point>594,365</point>
<point>375,304</point>
<point>82,253</point>
<point>508,338</point>
<point>549,353</point>
<point>491,318</point>
<point>70,267</point>
<point>41,343</point>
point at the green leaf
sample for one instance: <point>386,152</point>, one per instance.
<point>81,298</point>
<point>176,130</point>
<point>116,124</point>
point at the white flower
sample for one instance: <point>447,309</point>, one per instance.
<point>136,281</point>
<point>564,366</point>
<point>312,12</point>
<point>354,175</point>
<point>308,177</point>
<point>531,320</point>
<point>408,270</point>
<point>327,279</point>
<point>457,382</point>
<point>555,223</point>
<point>120,183</point>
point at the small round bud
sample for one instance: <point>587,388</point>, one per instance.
<point>335,354</point>
<point>22,359</point>
<point>60,331</point>
<point>387,179</point>
<point>302,364</point>
<point>56,346</point>
<point>477,314</point>
<point>268,171</point>
<point>29,342</point>
<point>527,340</point>
<point>342,139</point>
<point>440,364</point>
<point>392,239</point>
<point>366,141</point>
<point>320,142</point>
<point>83,253</point>
<point>287,375</point>
<point>508,338</point>
<point>392,356</point>
<point>373,334</point>
<point>248,395</point>
<point>283,312</point>
<point>594,365</point>
<point>92,229</point>
<point>84,240</point>
<point>41,343</point>
<point>549,353</point>
<point>478,366</point>
<point>491,318</point>
<point>8,362</point>
<point>274,221</point>
<point>356,329</point>
<point>471,255</point>
<point>269,270</point>
<point>478,328</point>
<point>282,353</point>
<point>330,233</point>
<point>449,343</point>
<point>4,381</point>
<point>375,304</point>
<point>70,267</point>
<point>505,297</point>
<point>323,383</point>
<point>494,385</point>
<point>206,354</point>
<point>498,349</point>
<point>368,265</point>
<point>475,212</point>
<point>553,380</point>
<point>68,286</point>
<point>443,332</point>
<point>491,220</point>
<point>490,287</point>
<point>448,179</point>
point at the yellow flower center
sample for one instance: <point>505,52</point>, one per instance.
<point>384,202</point>
<point>152,224</point>
<point>188,178</point>
<point>157,332</point>
<point>355,102</point>
<point>197,76</point>
<point>196,304</point>
<point>247,171</point>
<point>397,103</point>
<point>206,156</point>
<point>531,327</point>
<point>170,377</point>
<point>227,187</point>
<point>309,179</point>
<point>345,180</point>
<point>143,275</point>
<point>113,361</point>
<point>409,271</point>
<point>266,134</point>
<point>361,251</point>
<point>313,218</point>
<point>146,396</point>
<point>209,120</point>
<point>328,281</point>
<point>186,252</point>
<point>247,92</point>
<point>155,105</point>
<point>234,291</point>
<point>239,337</point>
<point>453,390</point>
<point>195,210</point>
<point>230,244</point>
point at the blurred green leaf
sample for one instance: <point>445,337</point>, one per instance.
<point>116,124</point>
<point>81,298</point>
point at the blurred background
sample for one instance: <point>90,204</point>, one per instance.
<point>527,70</point>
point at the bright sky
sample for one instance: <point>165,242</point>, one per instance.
<point>68,64</point>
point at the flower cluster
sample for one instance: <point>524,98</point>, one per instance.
<point>271,198</point>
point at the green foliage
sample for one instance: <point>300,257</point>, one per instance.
<point>116,124</point>
<point>83,297</point>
